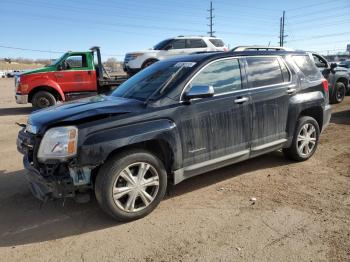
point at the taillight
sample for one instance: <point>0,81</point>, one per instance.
<point>225,49</point>
<point>325,85</point>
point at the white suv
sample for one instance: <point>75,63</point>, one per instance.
<point>181,45</point>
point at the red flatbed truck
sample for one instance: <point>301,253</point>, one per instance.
<point>73,75</point>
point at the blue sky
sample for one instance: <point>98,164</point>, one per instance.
<point>121,26</point>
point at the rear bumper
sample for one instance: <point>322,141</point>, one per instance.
<point>21,99</point>
<point>326,116</point>
<point>50,187</point>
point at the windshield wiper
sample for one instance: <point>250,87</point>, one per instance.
<point>163,86</point>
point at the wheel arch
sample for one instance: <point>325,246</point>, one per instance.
<point>344,81</point>
<point>49,89</point>
<point>158,147</point>
<point>149,60</point>
<point>315,112</point>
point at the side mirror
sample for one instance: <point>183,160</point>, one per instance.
<point>199,92</point>
<point>60,67</point>
<point>333,65</point>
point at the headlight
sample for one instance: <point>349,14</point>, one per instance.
<point>17,80</point>
<point>135,55</point>
<point>59,143</point>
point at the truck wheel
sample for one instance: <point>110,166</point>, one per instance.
<point>305,140</point>
<point>130,185</point>
<point>148,63</point>
<point>43,99</point>
<point>338,93</point>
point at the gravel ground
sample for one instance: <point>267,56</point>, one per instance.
<point>302,211</point>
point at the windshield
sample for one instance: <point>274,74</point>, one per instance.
<point>161,45</point>
<point>153,81</point>
<point>56,61</point>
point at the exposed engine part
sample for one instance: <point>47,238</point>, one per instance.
<point>80,176</point>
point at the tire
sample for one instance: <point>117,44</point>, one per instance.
<point>112,183</point>
<point>294,152</point>
<point>338,93</point>
<point>147,63</point>
<point>43,99</point>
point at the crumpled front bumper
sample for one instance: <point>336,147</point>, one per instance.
<point>48,187</point>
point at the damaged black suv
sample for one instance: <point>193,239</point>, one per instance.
<point>176,119</point>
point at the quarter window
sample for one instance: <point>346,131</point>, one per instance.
<point>307,66</point>
<point>223,75</point>
<point>264,71</point>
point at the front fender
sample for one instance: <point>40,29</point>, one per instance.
<point>97,146</point>
<point>40,81</point>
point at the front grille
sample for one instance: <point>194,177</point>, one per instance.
<point>127,58</point>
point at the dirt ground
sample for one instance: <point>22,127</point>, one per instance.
<point>302,212</point>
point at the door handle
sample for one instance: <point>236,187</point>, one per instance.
<point>89,72</point>
<point>241,100</point>
<point>291,91</point>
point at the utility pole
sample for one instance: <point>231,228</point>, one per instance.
<point>282,24</point>
<point>280,42</point>
<point>211,32</point>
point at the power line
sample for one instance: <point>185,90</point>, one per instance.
<point>319,36</point>
<point>312,5</point>
<point>33,50</point>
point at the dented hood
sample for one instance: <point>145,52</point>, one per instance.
<point>87,108</point>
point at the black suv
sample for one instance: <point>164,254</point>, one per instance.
<point>176,119</point>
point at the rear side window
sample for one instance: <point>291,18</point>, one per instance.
<point>223,75</point>
<point>178,44</point>
<point>217,42</point>
<point>264,71</point>
<point>195,43</point>
<point>307,66</point>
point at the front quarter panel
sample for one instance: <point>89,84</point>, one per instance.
<point>97,146</point>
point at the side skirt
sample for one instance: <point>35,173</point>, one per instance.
<point>200,168</point>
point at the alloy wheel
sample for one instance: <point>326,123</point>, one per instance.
<point>135,187</point>
<point>306,139</point>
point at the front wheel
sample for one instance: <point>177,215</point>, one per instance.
<point>43,99</point>
<point>305,140</point>
<point>130,185</point>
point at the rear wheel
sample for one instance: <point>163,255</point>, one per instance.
<point>130,185</point>
<point>43,99</point>
<point>305,140</point>
<point>338,93</point>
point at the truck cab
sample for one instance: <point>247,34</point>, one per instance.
<point>73,75</point>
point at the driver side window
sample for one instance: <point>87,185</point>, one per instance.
<point>223,75</point>
<point>75,61</point>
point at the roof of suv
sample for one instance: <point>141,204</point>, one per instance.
<point>213,55</point>
<point>194,36</point>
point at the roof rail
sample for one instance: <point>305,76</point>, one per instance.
<point>260,48</point>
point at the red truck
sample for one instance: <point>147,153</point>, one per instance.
<point>73,75</point>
